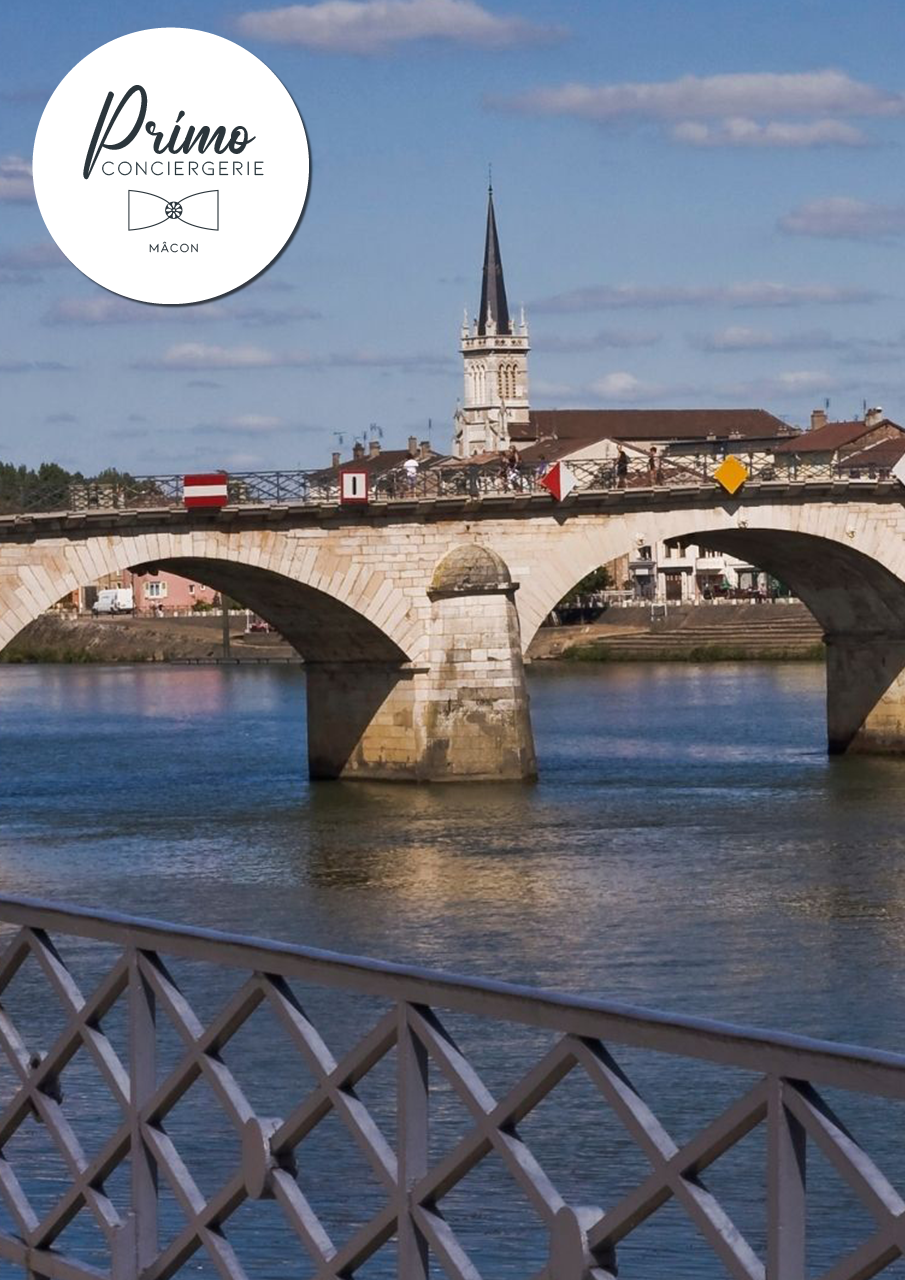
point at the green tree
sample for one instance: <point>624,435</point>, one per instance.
<point>597,580</point>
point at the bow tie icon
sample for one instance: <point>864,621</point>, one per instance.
<point>200,210</point>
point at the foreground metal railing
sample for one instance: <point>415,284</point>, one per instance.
<point>434,480</point>
<point>135,1127</point>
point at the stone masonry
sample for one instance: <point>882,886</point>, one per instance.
<point>415,667</point>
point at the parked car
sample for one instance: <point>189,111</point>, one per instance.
<point>114,600</point>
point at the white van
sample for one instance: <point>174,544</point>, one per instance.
<point>114,600</point>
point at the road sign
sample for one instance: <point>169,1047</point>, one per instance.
<point>353,487</point>
<point>559,480</point>
<point>208,490</point>
<point>731,474</point>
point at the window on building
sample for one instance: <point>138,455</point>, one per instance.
<point>155,590</point>
<point>191,588</point>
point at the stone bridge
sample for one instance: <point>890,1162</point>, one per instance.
<point>413,616</point>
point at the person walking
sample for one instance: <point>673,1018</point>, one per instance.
<point>504,470</point>
<point>621,468</point>
<point>410,467</point>
<point>653,466</point>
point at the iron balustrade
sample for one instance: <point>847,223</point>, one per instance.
<point>110,1043</point>
<point>433,481</point>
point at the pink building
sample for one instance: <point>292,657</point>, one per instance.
<point>166,592</point>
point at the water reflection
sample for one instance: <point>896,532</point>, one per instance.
<point>689,845</point>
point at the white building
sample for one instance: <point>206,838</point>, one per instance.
<point>495,355</point>
<point>495,413</point>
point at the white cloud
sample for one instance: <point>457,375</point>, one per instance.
<point>619,386</point>
<point>198,357</point>
<point>238,461</point>
<point>269,317</point>
<point>884,350</point>
<point>741,131</point>
<point>712,97</point>
<point>747,108</point>
<point>15,179</point>
<point>544,390</point>
<point>755,293</point>
<point>204,355</point>
<point>104,309</point>
<point>245,423</point>
<point>840,217</point>
<point>803,379</point>
<point>741,338</point>
<point>374,26</point>
<point>33,366</point>
<point>815,384</point>
<point>736,338</point>
<point>34,257</point>
<point>600,341</point>
<point>622,387</point>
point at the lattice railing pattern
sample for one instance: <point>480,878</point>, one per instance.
<point>473,481</point>
<point>412,1178</point>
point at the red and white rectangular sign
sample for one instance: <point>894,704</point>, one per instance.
<point>353,486</point>
<point>206,490</point>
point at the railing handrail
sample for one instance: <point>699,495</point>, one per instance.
<point>462,480</point>
<point>877,1071</point>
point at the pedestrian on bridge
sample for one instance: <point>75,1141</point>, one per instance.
<point>621,468</point>
<point>513,473</point>
<point>410,467</point>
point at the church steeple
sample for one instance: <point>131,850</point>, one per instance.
<point>495,356</point>
<point>494,314</point>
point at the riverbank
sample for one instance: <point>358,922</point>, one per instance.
<point>720,632</point>
<point>56,637</point>
<point>689,633</point>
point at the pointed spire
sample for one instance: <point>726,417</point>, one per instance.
<point>493,290</point>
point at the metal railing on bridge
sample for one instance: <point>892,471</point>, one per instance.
<point>237,1107</point>
<point>433,481</point>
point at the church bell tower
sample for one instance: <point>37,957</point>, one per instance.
<point>495,354</point>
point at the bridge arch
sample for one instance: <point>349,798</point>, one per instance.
<point>350,622</point>
<point>848,570</point>
<point>329,607</point>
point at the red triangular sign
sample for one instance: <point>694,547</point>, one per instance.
<point>559,480</point>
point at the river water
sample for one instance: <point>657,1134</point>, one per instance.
<point>689,845</point>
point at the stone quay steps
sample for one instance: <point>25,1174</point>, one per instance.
<point>686,644</point>
<point>718,631</point>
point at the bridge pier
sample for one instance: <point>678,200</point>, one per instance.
<point>865,694</point>
<point>462,716</point>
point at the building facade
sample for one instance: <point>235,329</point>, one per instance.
<point>495,356</point>
<point>495,414</point>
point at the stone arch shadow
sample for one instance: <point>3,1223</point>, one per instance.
<point>318,625</point>
<point>353,666</point>
<point>860,604</point>
<point>858,601</point>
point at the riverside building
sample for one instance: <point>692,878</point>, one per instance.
<point>495,414</point>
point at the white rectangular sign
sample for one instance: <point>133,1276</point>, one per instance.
<point>353,486</point>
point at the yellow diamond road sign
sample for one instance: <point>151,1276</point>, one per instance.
<point>731,474</point>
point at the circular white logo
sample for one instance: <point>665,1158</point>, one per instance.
<point>171,166</point>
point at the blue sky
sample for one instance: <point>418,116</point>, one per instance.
<point>699,204</point>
